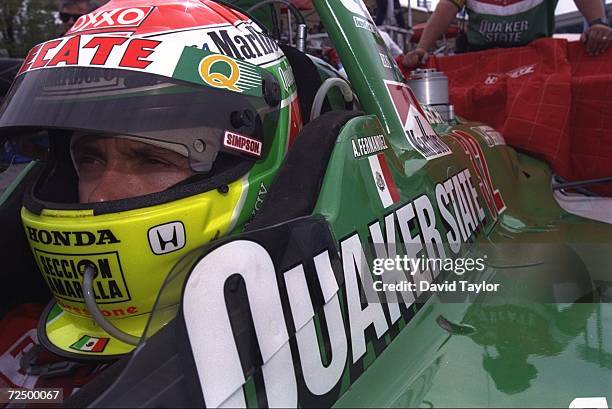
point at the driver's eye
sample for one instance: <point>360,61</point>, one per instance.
<point>156,161</point>
<point>85,160</point>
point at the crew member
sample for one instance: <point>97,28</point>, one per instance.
<point>508,24</point>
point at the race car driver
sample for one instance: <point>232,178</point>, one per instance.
<point>160,133</point>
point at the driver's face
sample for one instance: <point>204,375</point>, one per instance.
<point>115,168</point>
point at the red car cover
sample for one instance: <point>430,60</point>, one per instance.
<point>549,99</point>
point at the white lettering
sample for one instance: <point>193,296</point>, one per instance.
<point>319,379</point>
<point>212,340</point>
<point>359,319</point>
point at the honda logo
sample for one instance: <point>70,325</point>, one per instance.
<point>167,238</point>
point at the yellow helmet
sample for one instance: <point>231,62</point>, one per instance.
<point>194,77</point>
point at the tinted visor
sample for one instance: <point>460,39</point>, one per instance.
<point>204,120</point>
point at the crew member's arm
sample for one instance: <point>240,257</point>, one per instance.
<point>599,34</point>
<point>436,26</point>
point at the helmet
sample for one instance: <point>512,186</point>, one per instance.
<point>195,78</point>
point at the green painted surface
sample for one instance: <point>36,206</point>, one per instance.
<point>525,351</point>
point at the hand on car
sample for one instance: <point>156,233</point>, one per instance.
<point>414,58</point>
<point>596,39</point>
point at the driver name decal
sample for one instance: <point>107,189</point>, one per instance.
<point>368,145</point>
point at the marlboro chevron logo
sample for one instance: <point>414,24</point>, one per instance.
<point>90,344</point>
<point>419,132</point>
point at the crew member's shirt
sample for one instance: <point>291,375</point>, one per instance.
<point>507,23</point>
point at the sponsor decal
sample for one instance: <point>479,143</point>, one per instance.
<point>81,82</point>
<point>490,135</point>
<point>368,145</point>
<point>460,208</point>
<point>166,58</point>
<point>492,196</point>
<point>287,78</point>
<point>92,51</point>
<point>520,71</point>
<point>115,312</point>
<point>64,275</point>
<point>218,71</point>
<point>515,73</point>
<point>244,43</point>
<point>90,344</point>
<point>418,130</point>
<point>491,79</point>
<point>385,185</point>
<point>125,17</point>
<point>364,24</point>
<point>261,194</point>
<point>299,297</point>
<point>216,78</point>
<point>71,238</point>
<point>158,53</point>
<point>166,238</point>
<point>241,143</point>
<point>385,60</point>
